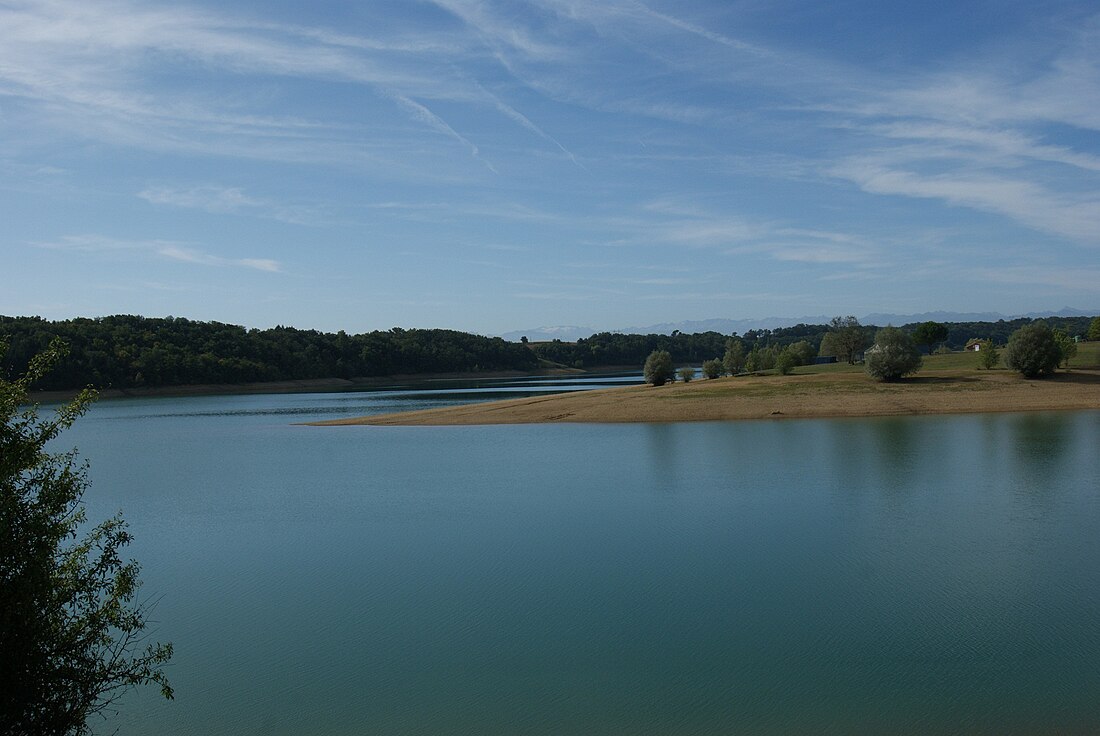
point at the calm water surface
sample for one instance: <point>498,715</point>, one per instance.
<point>908,575</point>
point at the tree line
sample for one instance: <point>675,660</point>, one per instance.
<point>616,349</point>
<point>126,351</point>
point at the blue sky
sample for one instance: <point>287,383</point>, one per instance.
<point>490,166</point>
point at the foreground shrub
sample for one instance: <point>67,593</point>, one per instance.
<point>686,374</point>
<point>73,635</point>
<point>712,368</point>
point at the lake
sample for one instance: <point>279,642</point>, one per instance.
<point>913,575</point>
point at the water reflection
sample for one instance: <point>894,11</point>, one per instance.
<point>1041,444</point>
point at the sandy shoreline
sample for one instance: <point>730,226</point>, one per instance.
<point>775,397</point>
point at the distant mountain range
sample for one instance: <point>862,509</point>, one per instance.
<point>570,333</point>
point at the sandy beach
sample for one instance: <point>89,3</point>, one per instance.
<point>777,397</point>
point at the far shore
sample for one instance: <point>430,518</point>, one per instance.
<point>306,385</point>
<point>839,394</point>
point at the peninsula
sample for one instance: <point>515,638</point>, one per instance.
<point>821,394</point>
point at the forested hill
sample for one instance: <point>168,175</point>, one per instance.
<point>135,352</point>
<point>129,352</point>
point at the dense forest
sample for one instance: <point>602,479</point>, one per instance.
<point>132,352</point>
<point>128,352</point>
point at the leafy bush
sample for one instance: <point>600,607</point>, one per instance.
<point>892,356</point>
<point>686,374</point>
<point>1033,350</point>
<point>712,368</point>
<point>658,368</point>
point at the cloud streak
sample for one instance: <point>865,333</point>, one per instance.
<point>165,249</point>
<point>228,200</point>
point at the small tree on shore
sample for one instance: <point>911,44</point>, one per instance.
<point>712,368</point>
<point>1066,346</point>
<point>785,362</point>
<point>658,368</point>
<point>1033,350</point>
<point>734,359</point>
<point>988,355</point>
<point>892,356</point>
<point>686,374</point>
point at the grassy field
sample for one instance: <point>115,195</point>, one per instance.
<point>1088,356</point>
<point>946,384</point>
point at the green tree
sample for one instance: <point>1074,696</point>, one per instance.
<point>849,338</point>
<point>686,374</point>
<point>712,368</point>
<point>734,359</point>
<point>658,368</point>
<point>1033,350</point>
<point>930,333</point>
<point>1094,329</point>
<point>828,347</point>
<point>786,361</point>
<point>1066,346</point>
<point>71,635</point>
<point>892,356</point>
<point>802,351</point>
<point>988,356</point>
<point>760,359</point>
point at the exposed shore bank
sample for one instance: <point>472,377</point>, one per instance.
<point>761,397</point>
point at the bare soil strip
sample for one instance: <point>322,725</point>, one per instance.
<point>776,397</point>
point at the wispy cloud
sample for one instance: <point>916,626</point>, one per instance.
<point>85,67</point>
<point>166,249</point>
<point>228,200</point>
<point>209,198</point>
<point>433,121</point>
<point>980,135</point>
<point>1072,215</point>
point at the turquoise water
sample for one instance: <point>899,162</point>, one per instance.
<point>902,575</point>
